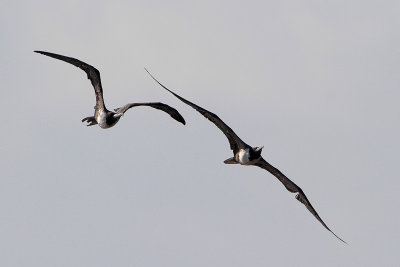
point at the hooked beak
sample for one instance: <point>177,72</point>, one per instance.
<point>259,149</point>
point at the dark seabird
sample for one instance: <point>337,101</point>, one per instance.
<point>247,155</point>
<point>102,116</point>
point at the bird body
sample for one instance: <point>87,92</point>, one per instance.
<point>247,156</point>
<point>106,119</point>
<point>243,156</point>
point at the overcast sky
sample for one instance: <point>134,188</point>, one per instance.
<point>317,83</point>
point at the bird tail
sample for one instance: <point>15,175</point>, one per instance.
<point>231,161</point>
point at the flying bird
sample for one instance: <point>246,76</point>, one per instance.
<point>246,155</point>
<point>102,116</point>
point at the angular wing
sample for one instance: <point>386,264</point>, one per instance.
<point>293,188</point>
<point>92,73</point>
<point>157,105</point>
<point>234,141</point>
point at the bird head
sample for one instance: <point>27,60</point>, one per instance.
<point>258,150</point>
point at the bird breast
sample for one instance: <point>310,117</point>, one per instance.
<point>101,118</point>
<point>243,156</point>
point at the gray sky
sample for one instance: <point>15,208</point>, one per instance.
<point>316,83</point>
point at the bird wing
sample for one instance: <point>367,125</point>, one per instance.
<point>157,105</point>
<point>234,141</point>
<point>293,188</point>
<point>92,73</point>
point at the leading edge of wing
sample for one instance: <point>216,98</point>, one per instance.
<point>233,139</point>
<point>156,105</point>
<point>293,188</point>
<point>93,74</point>
<point>91,71</point>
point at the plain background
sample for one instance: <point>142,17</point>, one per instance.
<point>316,83</point>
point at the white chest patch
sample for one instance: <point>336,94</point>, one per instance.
<point>101,120</point>
<point>243,156</point>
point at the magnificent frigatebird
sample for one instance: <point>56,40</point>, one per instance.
<point>102,115</point>
<point>246,155</point>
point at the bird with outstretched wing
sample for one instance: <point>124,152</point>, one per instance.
<point>102,116</point>
<point>246,155</point>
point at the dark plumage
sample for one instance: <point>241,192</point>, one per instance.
<point>247,155</point>
<point>102,115</point>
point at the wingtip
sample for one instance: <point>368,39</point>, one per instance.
<point>180,119</point>
<point>148,72</point>
<point>41,52</point>
<point>303,199</point>
<point>339,238</point>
